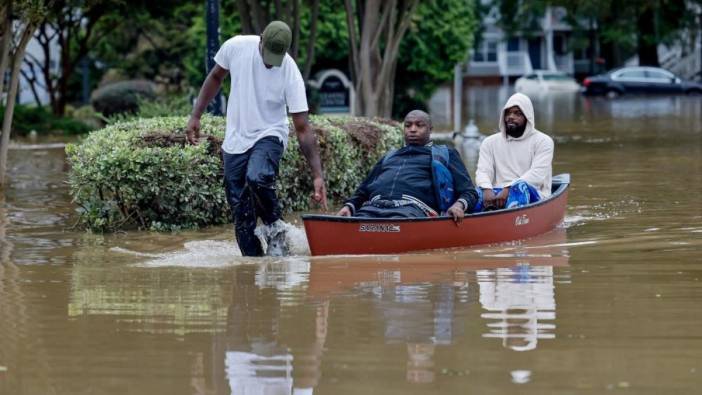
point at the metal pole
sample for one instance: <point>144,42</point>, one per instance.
<point>85,69</point>
<point>212,18</point>
<point>457,97</point>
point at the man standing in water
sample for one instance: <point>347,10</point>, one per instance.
<point>514,166</point>
<point>264,79</point>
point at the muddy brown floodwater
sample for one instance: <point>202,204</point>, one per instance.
<point>610,302</point>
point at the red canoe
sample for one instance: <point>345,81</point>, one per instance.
<point>334,235</point>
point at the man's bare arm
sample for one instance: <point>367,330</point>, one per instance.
<point>308,143</point>
<point>209,89</point>
<point>309,148</point>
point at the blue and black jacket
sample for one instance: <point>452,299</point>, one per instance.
<point>408,173</point>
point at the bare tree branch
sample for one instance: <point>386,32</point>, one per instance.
<point>32,81</point>
<point>383,21</point>
<point>374,50</point>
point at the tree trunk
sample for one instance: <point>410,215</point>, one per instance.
<point>294,51</point>
<point>309,58</point>
<point>5,40</point>
<point>244,17</point>
<point>17,59</point>
<point>647,47</point>
<point>374,51</point>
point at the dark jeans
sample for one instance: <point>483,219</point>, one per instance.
<point>408,211</point>
<point>249,183</point>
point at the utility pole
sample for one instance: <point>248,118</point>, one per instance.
<point>457,97</point>
<point>212,18</point>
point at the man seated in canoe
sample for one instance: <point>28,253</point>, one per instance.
<point>418,180</point>
<point>514,166</point>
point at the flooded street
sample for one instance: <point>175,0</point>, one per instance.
<point>609,302</point>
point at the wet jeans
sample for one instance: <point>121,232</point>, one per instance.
<point>249,183</point>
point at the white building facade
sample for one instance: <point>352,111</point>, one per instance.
<point>498,56</point>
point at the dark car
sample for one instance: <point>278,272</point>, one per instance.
<point>638,80</point>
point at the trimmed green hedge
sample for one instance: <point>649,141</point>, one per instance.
<point>141,174</point>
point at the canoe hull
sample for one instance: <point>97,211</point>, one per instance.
<point>332,235</point>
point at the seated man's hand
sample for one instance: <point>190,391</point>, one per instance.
<point>457,212</point>
<point>488,198</point>
<point>501,198</point>
<point>344,212</point>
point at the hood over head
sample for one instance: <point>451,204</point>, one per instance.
<point>524,103</point>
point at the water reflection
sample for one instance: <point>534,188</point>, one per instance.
<point>563,113</point>
<point>518,300</point>
<point>267,324</point>
<point>421,316</point>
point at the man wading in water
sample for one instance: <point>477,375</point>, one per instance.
<point>264,80</point>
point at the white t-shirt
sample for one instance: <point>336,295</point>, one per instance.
<point>258,96</point>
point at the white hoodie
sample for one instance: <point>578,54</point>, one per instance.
<point>504,159</point>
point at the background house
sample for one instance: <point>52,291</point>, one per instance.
<point>500,58</point>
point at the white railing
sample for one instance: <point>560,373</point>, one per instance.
<point>687,67</point>
<point>564,63</point>
<point>684,65</point>
<point>514,63</point>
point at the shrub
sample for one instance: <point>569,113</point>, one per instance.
<point>43,121</point>
<point>140,173</point>
<point>87,115</point>
<point>160,106</point>
<point>121,97</point>
<point>165,106</point>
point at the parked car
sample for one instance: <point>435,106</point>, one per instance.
<point>544,80</point>
<point>638,80</point>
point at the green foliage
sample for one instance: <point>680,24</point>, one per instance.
<point>121,96</point>
<point>86,114</point>
<point>194,34</point>
<point>625,27</point>
<point>42,121</point>
<point>29,10</point>
<point>160,106</point>
<point>522,17</point>
<point>440,36</point>
<point>332,43</point>
<point>165,106</point>
<point>120,181</point>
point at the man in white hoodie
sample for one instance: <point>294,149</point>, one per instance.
<point>514,167</point>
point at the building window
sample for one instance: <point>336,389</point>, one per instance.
<point>513,44</point>
<point>559,44</point>
<point>486,51</point>
<point>492,51</point>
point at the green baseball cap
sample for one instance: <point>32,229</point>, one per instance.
<point>276,40</point>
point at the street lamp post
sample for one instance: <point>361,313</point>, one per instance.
<point>212,18</point>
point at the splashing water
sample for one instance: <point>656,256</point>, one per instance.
<point>217,253</point>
